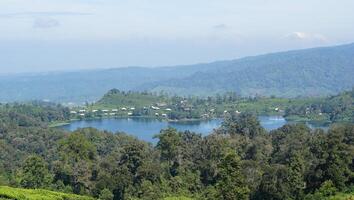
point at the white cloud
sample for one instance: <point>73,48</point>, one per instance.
<point>303,36</point>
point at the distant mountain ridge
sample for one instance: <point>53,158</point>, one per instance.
<point>309,72</point>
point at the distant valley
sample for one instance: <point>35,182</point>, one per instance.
<point>309,72</point>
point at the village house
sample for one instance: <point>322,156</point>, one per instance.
<point>155,108</point>
<point>161,104</point>
<point>205,116</point>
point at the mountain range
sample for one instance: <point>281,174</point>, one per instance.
<point>308,72</point>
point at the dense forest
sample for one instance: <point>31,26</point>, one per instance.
<point>240,160</point>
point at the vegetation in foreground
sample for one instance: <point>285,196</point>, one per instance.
<point>240,160</point>
<point>8,193</point>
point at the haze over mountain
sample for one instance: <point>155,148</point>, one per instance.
<point>309,72</point>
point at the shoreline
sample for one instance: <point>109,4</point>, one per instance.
<point>288,119</point>
<point>63,123</point>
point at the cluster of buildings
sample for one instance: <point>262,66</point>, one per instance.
<point>124,110</point>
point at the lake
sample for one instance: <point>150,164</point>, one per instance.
<point>146,128</point>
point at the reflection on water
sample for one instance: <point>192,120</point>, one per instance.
<point>145,128</point>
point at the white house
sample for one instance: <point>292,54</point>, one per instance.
<point>155,108</point>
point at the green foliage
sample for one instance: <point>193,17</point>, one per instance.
<point>169,145</point>
<point>106,194</point>
<point>240,160</point>
<point>231,184</point>
<point>326,191</point>
<point>177,198</point>
<point>296,177</point>
<point>149,191</point>
<point>77,156</point>
<point>27,194</point>
<point>244,124</point>
<point>274,183</point>
<point>35,174</point>
<point>336,108</point>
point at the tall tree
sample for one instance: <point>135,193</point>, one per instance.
<point>245,124</point>
<point>296,176</point>
<point>231,184</point>
<point>35,173</point>
<point>77,156</point>
<point>170,146</point>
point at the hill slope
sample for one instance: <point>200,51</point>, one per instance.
<point>311,72</point>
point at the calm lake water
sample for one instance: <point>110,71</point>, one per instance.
<point>145,129</point>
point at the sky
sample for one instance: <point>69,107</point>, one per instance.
<point>61,35</point>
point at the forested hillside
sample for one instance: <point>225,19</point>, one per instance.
<point>240,160</point>
<point>334,108</point>
<point>310,72</point>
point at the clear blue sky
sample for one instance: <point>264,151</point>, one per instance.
<point>49,35</point>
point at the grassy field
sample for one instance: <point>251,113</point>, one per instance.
<point>8,193</point>
<point>342,196</point>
